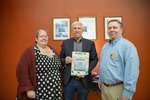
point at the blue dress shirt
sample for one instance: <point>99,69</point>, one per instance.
<point>119,61</point>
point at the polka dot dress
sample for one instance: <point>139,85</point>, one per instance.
<point>48,77</point>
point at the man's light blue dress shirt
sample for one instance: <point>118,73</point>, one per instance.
<point>119,61</point>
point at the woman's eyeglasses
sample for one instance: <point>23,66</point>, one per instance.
<point>43,36</point>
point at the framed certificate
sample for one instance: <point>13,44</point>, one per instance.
<point>80,63</point>
<point>89,24</point>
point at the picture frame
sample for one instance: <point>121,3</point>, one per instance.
<point>61,28</point>
<point>89,24</point>
<point>106,20</point>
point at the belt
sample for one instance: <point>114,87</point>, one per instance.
<point>114,84</point>
<point>75,77</point>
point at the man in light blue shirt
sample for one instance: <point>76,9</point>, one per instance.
<point>119,65</point>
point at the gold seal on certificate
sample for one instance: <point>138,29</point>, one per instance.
<point>80,63</point>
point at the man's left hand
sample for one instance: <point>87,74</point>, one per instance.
<point>81,76</point>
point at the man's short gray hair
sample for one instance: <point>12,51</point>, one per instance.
<point>77,23</point>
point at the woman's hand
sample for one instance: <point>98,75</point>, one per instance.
<point>31,94</point>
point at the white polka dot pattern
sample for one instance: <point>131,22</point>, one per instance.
<point>48,77</point>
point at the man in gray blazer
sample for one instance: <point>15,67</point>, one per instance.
<point>80,83</point>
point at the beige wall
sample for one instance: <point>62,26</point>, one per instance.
<point>21,18</point>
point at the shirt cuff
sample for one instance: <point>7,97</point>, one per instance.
<point>127,94</point>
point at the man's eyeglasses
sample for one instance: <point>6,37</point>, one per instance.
<point>43,36</point>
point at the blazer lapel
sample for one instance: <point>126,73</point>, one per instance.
<point>71,45</point>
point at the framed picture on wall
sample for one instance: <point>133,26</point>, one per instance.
<point>89,24</point>
<point>61,28</point>
<point>106,20</point>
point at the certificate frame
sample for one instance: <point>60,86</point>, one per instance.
<point>80,63</point>
<point>106,20</point>
<point>89,24</point>
<point>61,28</point>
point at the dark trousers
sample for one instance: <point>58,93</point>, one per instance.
<point>75,85</point>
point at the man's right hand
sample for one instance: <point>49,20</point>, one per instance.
<point>68,60</point>
<point>100,85</point>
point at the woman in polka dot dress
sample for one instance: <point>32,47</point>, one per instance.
<point>39,71</point>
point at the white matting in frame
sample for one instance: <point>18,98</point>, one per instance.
<point>89,24</point>
<point>80,63</point>
<point>106,20</point>
<point>61,28</point>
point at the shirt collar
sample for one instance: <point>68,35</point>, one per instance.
<point>78,41</point>
<point>115,41</point>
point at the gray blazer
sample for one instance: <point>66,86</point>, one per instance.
<point>66,50</point>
